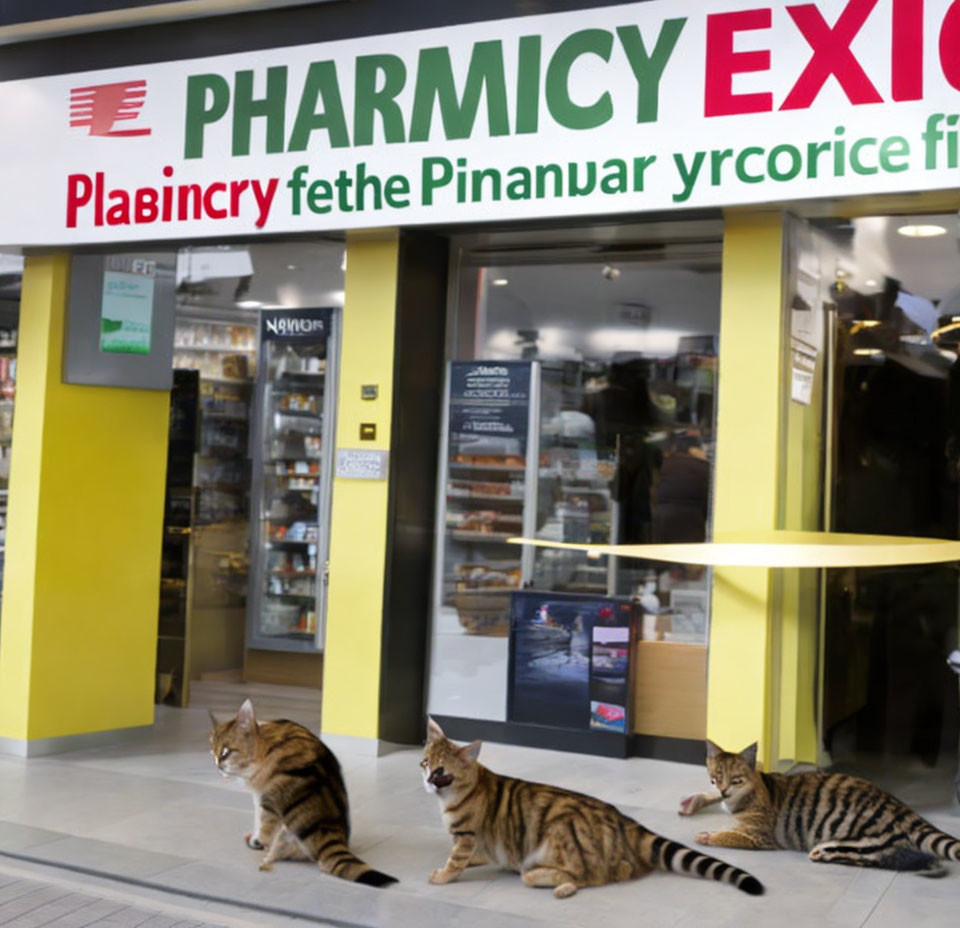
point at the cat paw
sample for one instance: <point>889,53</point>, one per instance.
<point>441,876</point>
<point>253,843</point>
<point>688,806</point>
<point>266,866</point>
<point>564,890</point>
<point>703,837</point>
<point>816,854</point>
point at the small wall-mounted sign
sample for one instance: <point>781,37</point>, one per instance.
<point>369,391</point>
<point>368,431</point>
<point>362,464</point>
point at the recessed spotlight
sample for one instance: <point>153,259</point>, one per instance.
<point>499,281</point>
<point>871,283</point>
<point>250,304</point>
<point>292,267</point>
<point>867,352</point>
<point>921,231</point>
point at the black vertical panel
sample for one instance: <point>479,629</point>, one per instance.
<point>417,405</point>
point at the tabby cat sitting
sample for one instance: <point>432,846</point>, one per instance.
<point>299,797</point>
<point>838,818</point>
<point>553,837</point>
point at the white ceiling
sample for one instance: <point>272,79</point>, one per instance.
<point>927,267</point>
<point>287,274</point>
<point>578,310</point>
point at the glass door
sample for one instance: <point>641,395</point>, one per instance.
<point>293,461</point>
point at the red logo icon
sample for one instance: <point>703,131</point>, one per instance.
<point>102,106</point>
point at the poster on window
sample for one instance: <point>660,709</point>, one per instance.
<point>126,308</point>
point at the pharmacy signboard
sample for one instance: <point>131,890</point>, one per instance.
<point>643,106</point>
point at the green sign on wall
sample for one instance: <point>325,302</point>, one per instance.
<point>126,310</point>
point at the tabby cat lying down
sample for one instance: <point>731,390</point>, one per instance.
<point>839,819</point>
<point>553,837</point>
<point>299,798</point>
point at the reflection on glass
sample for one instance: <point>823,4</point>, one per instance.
<point>891,307</point>
<point>619,447</point>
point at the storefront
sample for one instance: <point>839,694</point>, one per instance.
<point>607,279</point>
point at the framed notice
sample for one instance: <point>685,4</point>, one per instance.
<point>119,325</point>
<point>126,307</point>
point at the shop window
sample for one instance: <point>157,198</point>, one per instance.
<point>250,464</point>
<point>610,355</point>
<point>891,452</point>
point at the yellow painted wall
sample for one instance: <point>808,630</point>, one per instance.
<point>358,534</point>
<point>78,632</point>
<point>746,477</point>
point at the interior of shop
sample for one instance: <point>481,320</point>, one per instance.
<point>249,476</point>
<point>618,341</point>
<point>890,700</point>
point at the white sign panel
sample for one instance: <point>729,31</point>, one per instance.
<point>645,106</point>
<point>361,464</point>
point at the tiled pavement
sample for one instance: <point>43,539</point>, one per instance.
<point>154,812</point>
<point>43,897</point>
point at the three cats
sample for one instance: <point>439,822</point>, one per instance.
<point>560,839</point>
<point>835,817</point>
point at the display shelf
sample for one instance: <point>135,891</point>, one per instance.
<point>299,414</point>
<point>217,349</point>
<point>489,537</point>
<point>494,468</point>
<point>485,498</point>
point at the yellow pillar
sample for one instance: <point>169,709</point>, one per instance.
<point>358,534</point>
<point>747,477</point>
<point>78,633</point>
<point>798,606</point>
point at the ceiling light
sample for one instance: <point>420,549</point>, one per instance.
<point>292,267</point>
<point>867,352</point>
<point>921,231</point>
<point>841,272</point>
<point>249,304</point>
<point>500,281</point>
<point>871,283</point>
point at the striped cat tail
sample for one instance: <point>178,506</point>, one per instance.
<point>334,857</point>
<point>663,854</point>
<point>933,841</point>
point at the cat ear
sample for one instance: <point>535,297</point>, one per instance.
<point>245,717</point>
<point>713,749</point>
<point>749,755</point>
<point>471,751</point>
<point>434,731</point>
<point>213,720</point>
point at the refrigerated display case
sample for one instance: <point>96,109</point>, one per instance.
<point>292,463</point>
